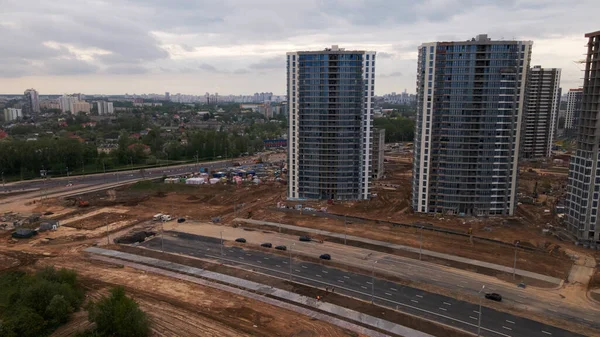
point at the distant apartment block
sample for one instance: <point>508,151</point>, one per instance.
<point>470,99</point>
<point>541,112</point>
<point>583,191</point>
<point>11,114</point>
<point>330,96</point>
<point>32,102</point>
<point>573,107</point>
<point>377,156</point>
<point>80,106</point>
<point>105,108</point>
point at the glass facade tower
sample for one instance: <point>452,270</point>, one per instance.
<point>330,94</point>
<point>470,98</point>
<point>583,191</point>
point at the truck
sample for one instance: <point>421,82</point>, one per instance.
<point>157,217</point>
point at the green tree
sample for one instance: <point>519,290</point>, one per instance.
<point>119,316</point>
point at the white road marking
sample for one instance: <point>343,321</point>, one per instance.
<point>444,309</point>
<point>241,258</point>
<point>446,303</point>
<point>347,277</point>
<point>511,322</point>
<point>319,275</point>
<point>248,255</point>
<point>475,318</point>
<point>284,262</point>
<point>297,270</point>
<point>266,258</point>
<point>414,301</point>
<point>507,328</point>
<point>475,311</point>
<point>369,282</point>
<point>460,285</point>
<point>324,271</point>
<point>393,289</point>
<point>419,296</point>
<point>259,262</point>
<point>388,294</point>
<point>303,266</point>
<point>363,287</point>
<point>278,266</point>
<point>547,333</point>
<point>341,281</point>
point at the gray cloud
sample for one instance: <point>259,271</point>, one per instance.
<point>394,74</point>
<point>234,38</point>
<point>384,55</point>
<point>277,62</point>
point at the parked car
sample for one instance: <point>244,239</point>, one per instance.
<point>281,247</point>
<point>304,238</point>
<point>494,297</point>
<point>242,240</point>
<point>325,257</point>
<point>266,245</point>
<point>180,220</point>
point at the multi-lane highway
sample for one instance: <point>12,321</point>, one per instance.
<point>443,309</point>
<point>107,178</point>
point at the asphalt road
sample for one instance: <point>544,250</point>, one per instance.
<point>443,309</point>
<point>112,177</point>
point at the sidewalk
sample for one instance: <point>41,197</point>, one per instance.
<point>228,282</point>
<point>472,262</point>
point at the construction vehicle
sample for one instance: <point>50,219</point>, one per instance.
<point>80,202</point>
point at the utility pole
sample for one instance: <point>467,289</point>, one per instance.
<point>104,168</point>
<point>479,324</point>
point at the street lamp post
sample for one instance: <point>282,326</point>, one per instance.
<point>221,243</point>
<point>107,232</point>
<point>293,244</point>
<point>162,235</point>
<point>421,245</point>
<point>479,324</point>
<point>373,282</point>
<point>515,261</point>
<point>345,228</point>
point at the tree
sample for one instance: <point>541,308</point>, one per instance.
<point>118,315</point>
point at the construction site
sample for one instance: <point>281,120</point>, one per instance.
<point>255,208</point>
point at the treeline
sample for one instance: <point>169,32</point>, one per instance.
<point>397,129</point>
<point>27,158</point>
<point>35,305</point>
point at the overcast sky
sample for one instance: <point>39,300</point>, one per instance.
<point>238,46</point>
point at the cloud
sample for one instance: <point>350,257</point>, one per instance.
<point>394,74</point>
<point>277,62</point>
<point>244,43</point>
<point>384,55</point>
<point>126,69</point>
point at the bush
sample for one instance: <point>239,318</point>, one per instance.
<point>35,305</point>
<point>119,316</point>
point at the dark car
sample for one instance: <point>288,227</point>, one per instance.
<point>325,257</point>
<point>242,240</point>
<point>180,220</point>
<point>494,297</point>
<point>304,238</point>
<point>281,247</point>
<point>266,245</point>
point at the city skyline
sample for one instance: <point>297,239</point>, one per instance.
<point>235,47</point>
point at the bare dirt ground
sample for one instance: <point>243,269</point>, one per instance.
<point>177,308</point>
